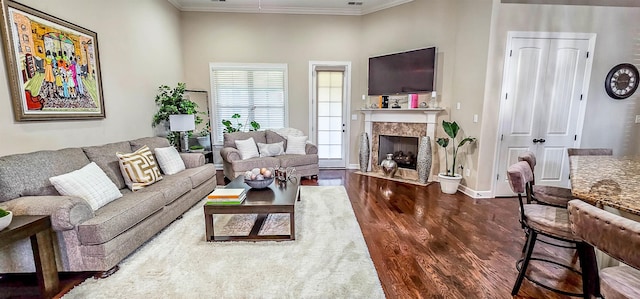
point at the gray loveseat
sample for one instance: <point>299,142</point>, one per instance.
<point>87,240</point>
<point>305,165</point>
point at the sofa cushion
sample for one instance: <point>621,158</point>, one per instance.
<point>169,159</point>
<point>198,175</point>
<point>118,216</point>
<point>297,160</point>
<point>271,149</point>
<point>230,138</point>
<point>28,174</point>
<point>105,157</point>
<point>139,168</point>
<point>151,142</point>
<point>247,148</point>
<point>244,165</point>
<point>274,137</point>
<point>89,183</point>
<point>171,187</point>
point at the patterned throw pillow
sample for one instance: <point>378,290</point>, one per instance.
<point>89,183</point>
<point>296,145</point>
<point>247,148</point>
<point>169,160</point>
<point>271,149</point>
<point>139,168</point>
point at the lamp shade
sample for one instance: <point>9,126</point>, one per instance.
<point>182,122</point>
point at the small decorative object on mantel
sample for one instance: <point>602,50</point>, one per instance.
<point>364,152</point>
<point>5,218</point>
<point>53,66</point>
<point>423,104</point>
<point>424,159</point>
<point>450,180</point>
<point>389,166</point>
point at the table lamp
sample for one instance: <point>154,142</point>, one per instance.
<point>182,123</point>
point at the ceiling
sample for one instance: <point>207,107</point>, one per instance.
<point>324,7</point>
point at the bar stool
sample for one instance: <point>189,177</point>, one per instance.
<point>548,221</point>
<point>548,195</point>
<point>617,236</point>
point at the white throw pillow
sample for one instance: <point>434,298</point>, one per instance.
<point>271,149</point>
<point>296,145</point>
<point>89,183</point>
<point>247,148</point>
<point>169,160</point>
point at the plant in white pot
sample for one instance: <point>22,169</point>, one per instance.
<point>450,180</point>
<point>5,218</point>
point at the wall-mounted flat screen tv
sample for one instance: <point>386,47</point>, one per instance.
<point>402,73</point>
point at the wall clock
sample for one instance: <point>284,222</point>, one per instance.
<point>621,81</point>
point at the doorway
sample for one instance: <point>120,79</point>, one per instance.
<point>330,83</point>
<point>544,92</point>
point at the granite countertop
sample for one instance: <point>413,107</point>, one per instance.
<point>607,181</point>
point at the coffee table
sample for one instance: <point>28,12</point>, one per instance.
<point>276,198</point>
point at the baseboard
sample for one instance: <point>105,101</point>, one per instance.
<point>473,193</point>
<point>353,166</point>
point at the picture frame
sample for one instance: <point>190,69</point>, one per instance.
<point>53,66</point>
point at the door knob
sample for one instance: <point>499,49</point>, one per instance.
<point>538,140</point>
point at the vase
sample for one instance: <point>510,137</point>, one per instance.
<point>424,160</point>
<point>449,184</point>
<point>389,167</point>
<point>364,152</point>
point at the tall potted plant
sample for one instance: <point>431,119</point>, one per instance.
<point>172,101</point>
<point>449,180</point>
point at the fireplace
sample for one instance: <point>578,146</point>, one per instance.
<point>403,148</point>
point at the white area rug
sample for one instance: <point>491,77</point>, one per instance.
<point>328,259</point>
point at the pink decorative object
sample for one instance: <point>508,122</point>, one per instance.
<point>413,100</point>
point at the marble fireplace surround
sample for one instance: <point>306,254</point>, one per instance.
<point>398,122</point>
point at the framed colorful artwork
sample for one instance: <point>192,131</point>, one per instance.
<point>53,66</point>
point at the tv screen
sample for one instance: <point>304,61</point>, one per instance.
<point>401,73</point>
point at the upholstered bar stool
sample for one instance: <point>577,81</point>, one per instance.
<point>545,220</point>
<point>590,152</point>
<point>549,195</point>
<point>617,236</point>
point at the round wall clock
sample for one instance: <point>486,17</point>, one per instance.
<point>621,81</point>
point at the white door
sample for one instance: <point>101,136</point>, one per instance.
<point>329,102</point>
<point>544,89</point>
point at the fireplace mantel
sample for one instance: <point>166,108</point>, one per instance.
<point>427,116</point>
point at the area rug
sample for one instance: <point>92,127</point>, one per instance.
<point>328,259</point>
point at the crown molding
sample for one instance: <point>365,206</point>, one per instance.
<point>289,10</point>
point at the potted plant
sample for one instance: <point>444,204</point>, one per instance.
<point>450,180</point>
<point>204,139</point>
<point>5,218</point>
<point>172,101</point>
<point>230,127</point>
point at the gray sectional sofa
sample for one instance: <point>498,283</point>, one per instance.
<point>234,165</point>
<point>87,240</point>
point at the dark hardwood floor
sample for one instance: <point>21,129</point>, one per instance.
<point>424,244</point>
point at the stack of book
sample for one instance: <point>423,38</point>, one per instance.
<point>230,196</point>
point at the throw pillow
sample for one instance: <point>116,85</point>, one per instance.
<point>89,183</point>
<point>139,168</point>
<point>296,145</point>
<point>169,160</point>
<point>247,148</point>
<point>271,149</point>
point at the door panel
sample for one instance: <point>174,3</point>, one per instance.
<point>545,77</point>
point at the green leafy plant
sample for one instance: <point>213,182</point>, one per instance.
<point>3,213</point>
<point>206,131</point>
<point>452,129</point>
<point>230,127</point>
<point>196,147</point>
<point>172,101</point>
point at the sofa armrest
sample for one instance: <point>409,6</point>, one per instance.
<point>310,148</point>
<point>192,160</point>
<point>230,154</point>
<point>66,211</point>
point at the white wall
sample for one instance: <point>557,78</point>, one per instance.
<point>140,49</point>
<point>608,122</point>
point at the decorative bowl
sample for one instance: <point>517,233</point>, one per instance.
<point>6,220</point>
<point>259,184</point>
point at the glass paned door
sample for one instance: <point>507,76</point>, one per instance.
<point>330,125</point>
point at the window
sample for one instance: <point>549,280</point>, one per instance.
<point>255,91</point>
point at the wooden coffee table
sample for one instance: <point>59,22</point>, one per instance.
<point>277,198</point>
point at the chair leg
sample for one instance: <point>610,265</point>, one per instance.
<point>588,264</point>
<point>526,241</point>
<point>531,241</point>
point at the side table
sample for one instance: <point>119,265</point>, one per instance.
<point>38,228</point>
